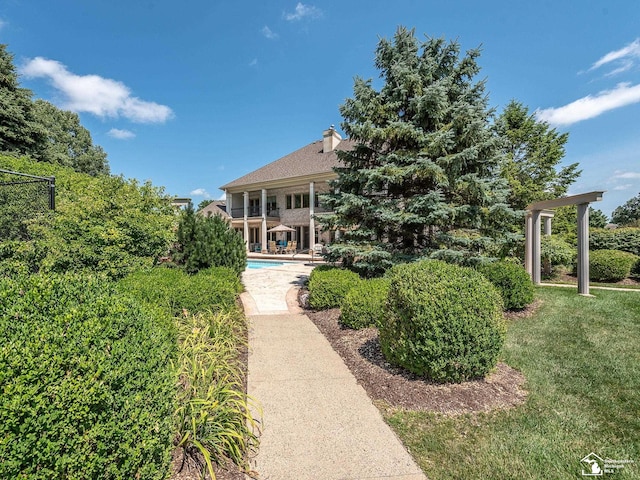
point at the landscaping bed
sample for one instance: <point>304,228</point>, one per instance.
<point>397,388</point>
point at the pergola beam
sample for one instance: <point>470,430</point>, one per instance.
<point>536,211</point>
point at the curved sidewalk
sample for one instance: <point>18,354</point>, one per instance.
<point>318,423</point>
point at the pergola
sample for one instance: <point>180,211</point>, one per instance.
<point>541,210</point>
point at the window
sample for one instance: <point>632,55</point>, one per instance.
<point>298,200</point>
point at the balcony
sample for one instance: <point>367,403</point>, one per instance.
<point>254,212</point>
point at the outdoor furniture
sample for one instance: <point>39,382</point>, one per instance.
<point>272,247</point>
<point>292,247</point>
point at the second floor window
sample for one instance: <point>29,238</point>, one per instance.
<point>298,200</point>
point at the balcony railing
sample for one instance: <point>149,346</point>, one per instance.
<point>254,212</point>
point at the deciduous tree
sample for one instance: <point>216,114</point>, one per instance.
<point>629,213</point>
<point>533,154</point>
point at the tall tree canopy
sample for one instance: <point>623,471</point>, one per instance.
<point>533,152</point>
<point>20,130</point>
<point>41,130</point>
<point>629,213</point>
<point>423,178</point>
<point>68,142</point>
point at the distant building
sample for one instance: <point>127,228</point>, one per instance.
<point>286,192</point>
<point>180,202</point>
<point>217,207</point>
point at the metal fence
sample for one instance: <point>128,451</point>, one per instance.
<point>23,197</point>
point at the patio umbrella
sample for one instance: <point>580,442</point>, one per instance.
<point>281,228</point>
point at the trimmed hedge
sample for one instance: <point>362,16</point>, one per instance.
<point>512,281</point>
<point>215,288</point>
<point>610,265</point>
<point>444,321</point>
<point>87,386</point>
<point>365,304</point>
<point>327,287</point>
<point>624,239</point>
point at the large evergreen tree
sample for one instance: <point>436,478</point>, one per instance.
<point>423,178</point>
<point>20,131</point>
<point>533,152</point>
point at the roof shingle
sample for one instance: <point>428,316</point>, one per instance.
<point>308,160</point>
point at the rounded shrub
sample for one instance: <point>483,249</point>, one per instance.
<point>365,304</point>
<point>87,386</point>
<point>610,265</point>
<point>444,321</point>
<point>512,281</point>
<point>635,270</point>
<point>327,287</point>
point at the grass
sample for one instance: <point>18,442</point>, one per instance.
<point>581,359</point>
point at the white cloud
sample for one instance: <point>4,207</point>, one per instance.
<point>626,186</point>
<point>268,33</point>
<point>627,52</point>
<point>223,196</point>
<point>302,11</point>
<point>625,175</point>
<point>200,192</point>
<point>2,24</point>
<point>121,134</point>
<point>100,96</point>
<point>591,106</point>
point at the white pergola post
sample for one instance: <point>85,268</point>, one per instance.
<point>535,246</point>
<point>263,230</point>
<point>245,197</point>
<point>228,200</point>
<point>583,249</point>
<point>528,244</point>
<point>312,221</point>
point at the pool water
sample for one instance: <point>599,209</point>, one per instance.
<point>263,264</point>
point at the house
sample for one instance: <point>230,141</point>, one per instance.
<point>286,192</point>
<point>217,207</point>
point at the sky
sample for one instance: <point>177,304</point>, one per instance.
<point>194,94</point>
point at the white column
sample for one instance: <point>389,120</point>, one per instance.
<point>528,244</point>
<point>245,197</point>
<point>535,247</point>
<point>312,211</point>
<point>547,225</point>
<point>263,233</point>
<point>229,201</point>
<point>583,249</point>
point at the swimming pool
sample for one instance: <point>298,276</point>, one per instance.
<point>263,264</point>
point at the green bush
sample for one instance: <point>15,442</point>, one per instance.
<point>328,287</point>
<point>215,288</point>
<point>204,242</point>
<point>365,304</point>
<point>635,270</point>
<point>624,239</point>
<point>512,281</point>
<point>555,252</point>
<point>87,386</point>
<point>104,224</point>
<point>610,265</point>
<point>444,322</point>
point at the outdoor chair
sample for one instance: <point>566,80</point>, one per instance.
<point>272,247</point>
<point>292,247</point>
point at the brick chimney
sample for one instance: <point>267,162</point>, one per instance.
<point>330,139</point>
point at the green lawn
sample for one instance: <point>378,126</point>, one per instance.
<point>581,359</point>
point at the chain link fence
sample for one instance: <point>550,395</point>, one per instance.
<point>23,197</point>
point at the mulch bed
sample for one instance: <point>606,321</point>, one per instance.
<point>397,388</point>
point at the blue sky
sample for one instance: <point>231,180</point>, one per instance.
<point>194,94</point>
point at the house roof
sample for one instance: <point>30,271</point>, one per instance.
<point>309,160</point>
<point>217,207</point>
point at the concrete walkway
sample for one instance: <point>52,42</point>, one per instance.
<point>318,423</point>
